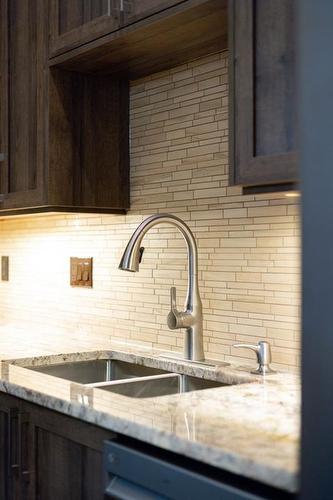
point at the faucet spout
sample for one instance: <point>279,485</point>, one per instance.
<point>191,318</point>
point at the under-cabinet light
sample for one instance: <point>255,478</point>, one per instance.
<point>293,194</point>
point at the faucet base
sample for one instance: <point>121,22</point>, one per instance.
<point>193,343</point>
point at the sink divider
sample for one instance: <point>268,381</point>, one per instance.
<point>97,385</point>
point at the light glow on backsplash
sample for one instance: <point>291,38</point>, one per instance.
<point>293,194</point>
<point>249,246</point>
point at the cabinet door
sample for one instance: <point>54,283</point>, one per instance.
<point>22,57</point>
<point>135,10</point>
<point>58,466</point>
<point>75,22</point>
<point>65,469</point>
<point>67,461</point>
<point>263,96</point>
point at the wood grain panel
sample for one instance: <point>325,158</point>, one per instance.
<point>3,454</point>
<point>262,92</point>
<point>3,98</point>
<point>88,142</point>
<point>274,77</point>
<point>92,474</point>
<point>79,21</point>
<point>23,107</point>
<point>78,12</point>
<point>58,466</point>
<point>104,142</point>
<point>22,99</point>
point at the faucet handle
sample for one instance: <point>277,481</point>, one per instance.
<point>264,356</point>
<point>175,318</point>
<point>172,319</point>
<point>173,298</point>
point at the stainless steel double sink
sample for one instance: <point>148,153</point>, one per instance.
<point>129,379</point>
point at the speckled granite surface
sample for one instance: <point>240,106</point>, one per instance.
<point>250,428</point>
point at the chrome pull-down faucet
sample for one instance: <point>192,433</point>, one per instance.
<point>191,317</point>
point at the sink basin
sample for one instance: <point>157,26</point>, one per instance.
<point>161,385</point>
<point>129,379</point>
<point>98,370</point>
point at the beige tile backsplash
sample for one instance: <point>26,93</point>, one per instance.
<point>249,246</point>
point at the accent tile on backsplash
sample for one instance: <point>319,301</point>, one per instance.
<point>249,246</point>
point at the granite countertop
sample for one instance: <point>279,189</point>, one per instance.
<point>250,428</point>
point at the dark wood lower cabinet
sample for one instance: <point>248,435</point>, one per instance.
<point>4,483</point>
<point>45,455</point>
<point>58,466</point>
<point>10,484</point>
<point>68,461</point>
<point>3,447</point>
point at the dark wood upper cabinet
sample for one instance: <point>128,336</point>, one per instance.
<point>88,142</point>
<point>262,98</point>
<point>154,36</point>
<point>75,22</point>
<point>22,121</point>
<point>63,135</point>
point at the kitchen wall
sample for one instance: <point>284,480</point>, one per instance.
<point>249,247</point>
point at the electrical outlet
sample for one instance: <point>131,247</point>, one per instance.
<point>4,268</point>
<point>81,272</point>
